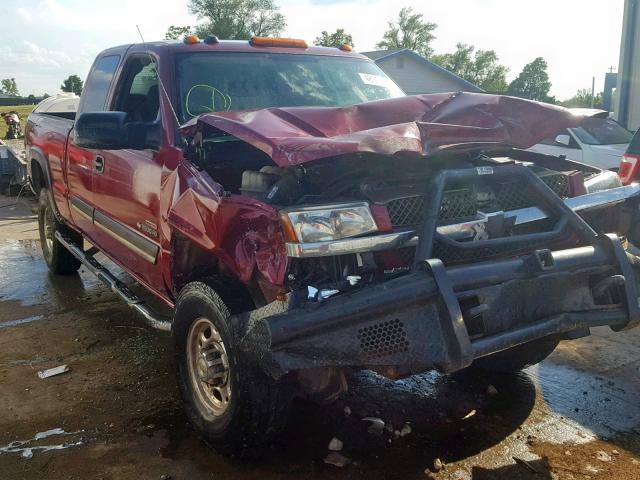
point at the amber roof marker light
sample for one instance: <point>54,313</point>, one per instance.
<point>191,39</point>
<point>345,47</point>
<point>278,42</point>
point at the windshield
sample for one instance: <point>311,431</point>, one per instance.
<point>602,131</point>
<point>222,81</point>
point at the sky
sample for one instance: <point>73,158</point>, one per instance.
<point>44,41</point>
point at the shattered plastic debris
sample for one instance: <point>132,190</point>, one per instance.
<point>52,372</point>
<point>376,426</point>
<point>24,448</point>
<point>591,469</point>
<point>335,445</point>
<point>327,293</point>
<point>406,430</point>
<point>337,459</point>
<point>603,456</point>
<point>469,415</point>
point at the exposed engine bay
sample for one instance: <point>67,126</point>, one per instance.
<point>395,189</point>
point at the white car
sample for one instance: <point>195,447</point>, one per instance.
<point>600,141</point>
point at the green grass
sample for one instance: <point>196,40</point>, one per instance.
<point>23,113</point>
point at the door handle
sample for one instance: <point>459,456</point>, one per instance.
<point>99,163</point>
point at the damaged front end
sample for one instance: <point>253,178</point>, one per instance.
<point>414,233</point>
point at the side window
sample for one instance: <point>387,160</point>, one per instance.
<point>552,141</point>
<point>97,87</point>
<point>137,92</point>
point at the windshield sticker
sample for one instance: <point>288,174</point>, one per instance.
<point>376,80</point>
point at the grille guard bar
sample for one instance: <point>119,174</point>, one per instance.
<point>421,314</point>
<point>466,229</point>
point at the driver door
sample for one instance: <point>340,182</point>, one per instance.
<point>126,183</point>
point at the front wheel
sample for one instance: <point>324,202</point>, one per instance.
<point>232,404</point>
<point>518,358</point>
<point>58,258</point>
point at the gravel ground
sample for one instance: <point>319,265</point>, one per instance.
<point>116,413</point>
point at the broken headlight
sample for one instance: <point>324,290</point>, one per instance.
<point>328,222</point>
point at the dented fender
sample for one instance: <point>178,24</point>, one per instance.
<point>243,234</point>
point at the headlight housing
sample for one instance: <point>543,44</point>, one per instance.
<point>329,222</point>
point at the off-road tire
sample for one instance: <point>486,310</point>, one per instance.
<point>518,358</point>
<point>259,406</point>
<point>58,258</point>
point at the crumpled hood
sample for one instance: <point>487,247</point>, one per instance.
<point>414,125</point>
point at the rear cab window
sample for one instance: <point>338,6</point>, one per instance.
<point>96,90</point>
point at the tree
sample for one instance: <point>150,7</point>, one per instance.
<point>479,67</point>
<point>238,19</point>
<point>335,39</point>
<point>583,98</point>
<point>73,83</point>
<point>175,32</point>
<point>533,82</point>
<point>409,32</point>
<point>9,87</point>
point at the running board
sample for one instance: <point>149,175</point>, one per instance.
<point>86,258</point>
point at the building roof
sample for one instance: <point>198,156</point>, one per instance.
<point>383,55</point>
<point>378,54</point>
<point>4,95</point>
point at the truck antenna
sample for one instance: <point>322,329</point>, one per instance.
<point>164,90</point>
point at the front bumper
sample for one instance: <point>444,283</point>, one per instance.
<point>443,318</point>
<point>439,318</point>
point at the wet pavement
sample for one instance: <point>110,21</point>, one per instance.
<point>116,413</point>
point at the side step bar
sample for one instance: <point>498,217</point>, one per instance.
<point>86,258</point>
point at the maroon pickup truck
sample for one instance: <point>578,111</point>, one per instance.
<point>304,219</point>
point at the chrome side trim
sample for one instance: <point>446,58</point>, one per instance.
<point>82,208</point>
<point>130,239</point>
<point>394,240</point>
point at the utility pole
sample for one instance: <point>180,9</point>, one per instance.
<point>593,92</point>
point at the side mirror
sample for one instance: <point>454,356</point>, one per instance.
<point>111,131</point>
<point>563,140</point>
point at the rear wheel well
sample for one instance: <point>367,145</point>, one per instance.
<point>191,263</point>
<point>37,177</point>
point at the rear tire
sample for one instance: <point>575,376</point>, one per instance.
<point>518,358</point>
<point>234,406</point>
<point>58,258</point>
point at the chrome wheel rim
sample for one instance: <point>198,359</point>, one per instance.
<point>49,228</point>
<point>209,366</point>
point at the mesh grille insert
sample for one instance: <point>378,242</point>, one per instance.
<point>410,211</point>
<point>406,212</point>
<point>511,195</point>
<point>384,338</point>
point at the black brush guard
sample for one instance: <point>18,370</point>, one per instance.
<point>444,318</point>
